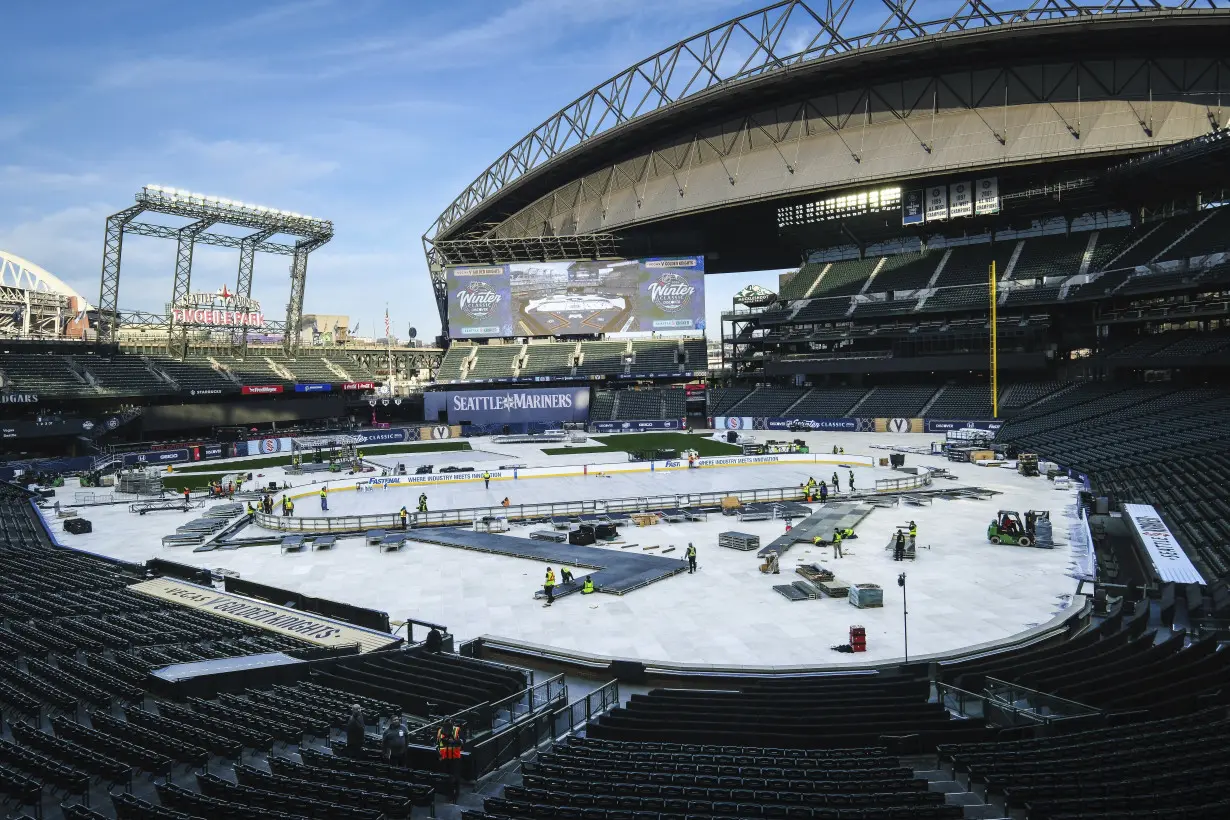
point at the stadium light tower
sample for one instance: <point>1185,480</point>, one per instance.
<point>206,210</point>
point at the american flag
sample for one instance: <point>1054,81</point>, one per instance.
<point>387,331</point>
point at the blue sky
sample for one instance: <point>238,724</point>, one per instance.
<point>372,113</point>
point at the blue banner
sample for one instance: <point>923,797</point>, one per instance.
<point>911,207</point>
<point>635,426</point>
<point>393,435</point>
<point>155,457</point>
<point>313,388</point>
<point>812,423</point>
<point>512,406</point>
<point>946,425</point>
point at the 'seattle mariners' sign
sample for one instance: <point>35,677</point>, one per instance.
<point>283,620</point>
<point>1171,562</point>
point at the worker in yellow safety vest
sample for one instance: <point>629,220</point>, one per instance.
<point>588,587</point>
<point>548,586</point>
<point>837,538</point>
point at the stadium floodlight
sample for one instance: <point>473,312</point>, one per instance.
<point>221,209</point>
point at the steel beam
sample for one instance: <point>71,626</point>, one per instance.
<point>186,237</point>
<point>109,289</point>
<point>778,38</point>
<point>298,282</point>
<point>243,284</point>
<point>221,240</point>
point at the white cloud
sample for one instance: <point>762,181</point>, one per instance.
<point>19,176</point>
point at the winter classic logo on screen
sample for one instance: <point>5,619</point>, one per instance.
<point>671,292</point>
<point>477,300</point>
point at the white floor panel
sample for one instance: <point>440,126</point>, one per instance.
<point>962,590</point>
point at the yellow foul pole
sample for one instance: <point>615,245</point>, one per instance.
<point>994,347</point>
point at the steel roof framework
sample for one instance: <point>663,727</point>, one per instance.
<point>777,38</point>
<point>708,61</point>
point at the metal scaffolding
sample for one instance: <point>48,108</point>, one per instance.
<point>206,211</point>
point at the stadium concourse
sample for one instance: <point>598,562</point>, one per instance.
<point>963,591</point>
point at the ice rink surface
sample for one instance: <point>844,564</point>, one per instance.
<point>962,590</point>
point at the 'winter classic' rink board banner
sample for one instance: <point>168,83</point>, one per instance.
<point>578,297</point>
<point>512,406</point>
<point>393,435</point>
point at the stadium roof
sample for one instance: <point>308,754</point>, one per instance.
<point>23,274</point>
<point>755,48</point>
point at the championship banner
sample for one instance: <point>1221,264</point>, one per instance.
<point>912,207</point>
<point>987,196</point>
<point>937,203</point>
<point>271,617</point>
<point>960,199</point>
<point>899,425</point>
<point>1169,559</point>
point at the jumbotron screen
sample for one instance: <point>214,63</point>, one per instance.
<point>576,298</point>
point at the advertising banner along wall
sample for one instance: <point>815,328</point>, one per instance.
<point>512,406</point>
<point>576,298</point>
<point>1171,562</point>
<point>294,623</point>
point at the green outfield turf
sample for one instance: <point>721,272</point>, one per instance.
<point>632,442</point>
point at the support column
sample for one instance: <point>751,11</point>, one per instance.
<point>109,291</point>
<point>298,281</point>
<point>243,285</point>
<point>183,278</point>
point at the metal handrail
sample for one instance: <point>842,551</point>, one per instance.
<point>522,512</point>
<point>1033,694</point>
<point>482,718</point>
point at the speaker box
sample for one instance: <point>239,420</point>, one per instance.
<point>582,536</point>
<point>732,436</point>
<point>605,531</point>
<point>77,526</point>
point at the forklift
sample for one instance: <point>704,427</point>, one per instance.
<point>1007,528</point>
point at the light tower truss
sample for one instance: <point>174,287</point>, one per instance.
<point>204,212</point>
